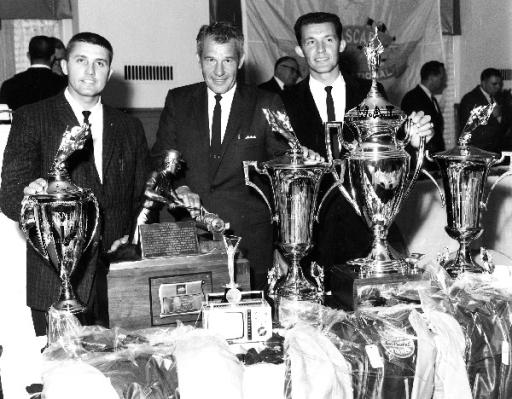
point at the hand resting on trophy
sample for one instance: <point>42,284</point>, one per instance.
<point>419,125</point>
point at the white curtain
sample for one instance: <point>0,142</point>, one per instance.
<point>413,36</point>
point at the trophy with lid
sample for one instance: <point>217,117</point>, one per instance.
<point>60,224</point>
<point>295,182</point>
<point>380,175</point>
<point>464,171</point>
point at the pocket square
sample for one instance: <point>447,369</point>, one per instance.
<point>249,137</point>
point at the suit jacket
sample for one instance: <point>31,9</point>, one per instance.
<point>29,86</point>
<point>184,126</point>
<point>489,137</point>
<point>417,100</point>
<point>271,85</point>
<point>341,234</point>
<point>34,138</point>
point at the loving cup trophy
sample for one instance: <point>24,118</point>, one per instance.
<point>379,170</point>
<point>60,223</point>
<point>294,184</point>
<point>464,171</point>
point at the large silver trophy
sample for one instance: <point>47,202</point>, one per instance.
<point>464,170</point>
<point>379,169</point>
<point>294,183</point>
<point>61,223</point>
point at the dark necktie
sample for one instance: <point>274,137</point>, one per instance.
<point>89,146</point>
<point>436,104</point>
<point>331,116</point>
<point>86,115</point>
<point>215,145</point>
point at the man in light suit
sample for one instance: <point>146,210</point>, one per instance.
<point>422,98</point>
<point>115,169</point>
<point>286,73</point>
<point>37,82</point>
<point>216,125</point>
<point>341,234</point>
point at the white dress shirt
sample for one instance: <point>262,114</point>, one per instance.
<point>96,121</point>
<point>338,93</point>
<point>225,105</point>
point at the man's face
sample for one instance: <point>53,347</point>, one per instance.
<point>88,70</point>
<point>219,64</point>
<point>439,82</point>
<point>492,85</point>
<point>320,47</point>
<point>288,72</point>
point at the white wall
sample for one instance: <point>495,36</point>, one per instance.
<point>486,40</point>
<point>145,32</point>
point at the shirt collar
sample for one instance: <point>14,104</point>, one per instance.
<point>315,84</point>
<point>487,96</point>
<point>40,66</point>
<point>426,90</point>
<point>77,108</point>
<point>279,82</point>
<point>226,97</point>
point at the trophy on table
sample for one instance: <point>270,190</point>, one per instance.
<point>295,182</point>
<point>379,170</point>
<point>233,294</point>
<point>60,224</point>
<point>464,171</point>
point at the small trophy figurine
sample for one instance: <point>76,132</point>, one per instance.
<point>233,294</point>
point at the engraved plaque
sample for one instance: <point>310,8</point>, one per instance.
<point>168,239</point>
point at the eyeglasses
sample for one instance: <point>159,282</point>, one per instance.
<point>291,68</point>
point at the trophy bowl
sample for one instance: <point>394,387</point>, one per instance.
<point>60,227</point>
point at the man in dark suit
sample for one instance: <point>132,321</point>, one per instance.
<point>489,137</point>
<point>115,169</point>
<point>37,82</point>
<point>286,73</point>
<point>217,124</point>
<point>422,98</point>
<point>341,234</point>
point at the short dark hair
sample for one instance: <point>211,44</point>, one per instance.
<point>221,32</point>
<point>431,68</point>
<point>41,48</point>
<point>91,38</point>
<point>317,18</point>
<point>489,72</point>
<point>57,43</point>
<point>283,59</point>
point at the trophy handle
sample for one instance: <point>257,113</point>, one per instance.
<point>248,182</point>
<point>92,197</point>
<point>417,169</point>
<point>443,203</point>
<point>28,223</point>
<point>504,155</point>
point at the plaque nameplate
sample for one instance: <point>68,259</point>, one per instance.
<point>168,239</point>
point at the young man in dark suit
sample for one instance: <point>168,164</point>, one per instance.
<point>341,234</point>
<point>216,125</point>
<point>490,137</point>
<point>286,73</point>
<point>115,169</point>
<point>422,98</point>
<point>37,82</point>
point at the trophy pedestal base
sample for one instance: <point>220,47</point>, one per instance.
<point>69,305</point>
<point>350,291</point>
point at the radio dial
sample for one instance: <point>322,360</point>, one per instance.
<point>262,331</point>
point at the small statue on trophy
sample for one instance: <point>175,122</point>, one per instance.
<point>233,294</point>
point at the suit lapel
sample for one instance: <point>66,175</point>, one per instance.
<point>200,118</point>
<point>111,138</point>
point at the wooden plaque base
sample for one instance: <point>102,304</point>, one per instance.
<point>160,291</point>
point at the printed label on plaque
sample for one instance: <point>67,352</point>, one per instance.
<point>168,239</point>
<point>178,297</point>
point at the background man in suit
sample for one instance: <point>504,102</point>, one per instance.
<point>115,169</point>
<point>217,124</point>
<point>286,73</point>
<point>324,96</point>
<point>489,137</point>
<point>422,98</point>
<point>37,82</point>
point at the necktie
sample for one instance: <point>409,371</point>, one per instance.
<point>215,144</point>
<point>436,105</point>
<point>331,116</point>
<point>86,115</point>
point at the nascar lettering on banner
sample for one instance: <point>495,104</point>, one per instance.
<point>410,31</point>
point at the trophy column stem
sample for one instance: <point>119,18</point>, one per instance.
<point>67,298</point>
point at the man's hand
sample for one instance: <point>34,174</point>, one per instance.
<point>38,186</point>
<point>420,126</point>
<point>117,243</point>
<point>311,155</point>
<point>190,199</point>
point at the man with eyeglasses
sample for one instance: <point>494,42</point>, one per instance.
<point>286,74</point>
